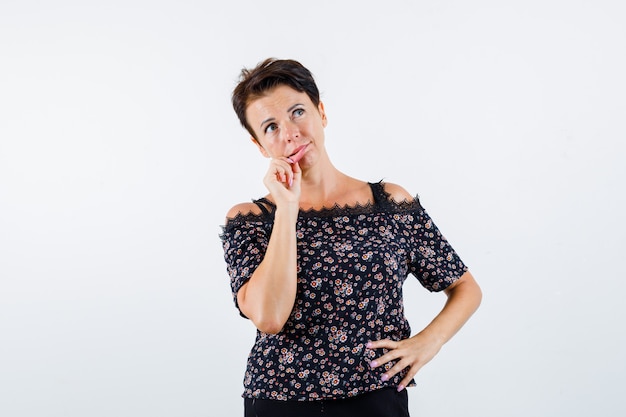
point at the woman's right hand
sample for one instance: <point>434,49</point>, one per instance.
<point>268,297</point>
<point>283,179</point>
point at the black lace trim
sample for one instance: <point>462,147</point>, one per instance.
<point>384,205</point>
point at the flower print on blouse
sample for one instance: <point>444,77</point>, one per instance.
<point>352,263</point>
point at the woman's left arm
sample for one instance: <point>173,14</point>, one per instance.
<point>464,296</point>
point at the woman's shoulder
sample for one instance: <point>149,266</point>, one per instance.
<point>254,208</point>
<point>397,193</point>
<point>242,209</point>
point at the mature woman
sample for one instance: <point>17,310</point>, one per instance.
<point>318,265</point>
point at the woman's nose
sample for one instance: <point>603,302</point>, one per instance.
<point>289,131</point>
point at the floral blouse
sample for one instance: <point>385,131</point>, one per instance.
<point>352,263</point>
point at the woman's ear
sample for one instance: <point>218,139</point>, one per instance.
<point>261,148</point>
<point>320,109</point>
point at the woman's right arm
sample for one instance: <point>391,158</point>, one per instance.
<point>267,298</point>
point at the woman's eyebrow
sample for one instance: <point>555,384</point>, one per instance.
<point>266,120</point>
<point>289,110</point>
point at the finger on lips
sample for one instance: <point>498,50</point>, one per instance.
<point>284,173</point>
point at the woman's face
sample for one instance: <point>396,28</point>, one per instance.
<point>286,121</point>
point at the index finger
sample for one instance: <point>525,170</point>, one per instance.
<point>384,343</point>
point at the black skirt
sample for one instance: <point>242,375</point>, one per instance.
<point>385,402</point>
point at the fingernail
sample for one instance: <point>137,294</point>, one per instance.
<point>384,377</point>
<point>290,182</point>
<point>400,387</point>
<point>373,364</point>
<point>290,160</point>
<point>368,345</point>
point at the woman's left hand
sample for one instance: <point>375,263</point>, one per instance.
<point>412,353</point>
<point>464,296</point>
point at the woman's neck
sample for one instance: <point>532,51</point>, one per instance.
<point>324,186</point>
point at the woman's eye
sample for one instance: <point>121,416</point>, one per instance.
<point>298,112</point>
<point>270,128</point>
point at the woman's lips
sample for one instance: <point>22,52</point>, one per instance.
<point>298,153</point>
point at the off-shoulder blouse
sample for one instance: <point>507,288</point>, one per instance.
<point>351,265</point>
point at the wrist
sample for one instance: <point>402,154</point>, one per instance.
<point>288,212</point>
<point>433,337</point>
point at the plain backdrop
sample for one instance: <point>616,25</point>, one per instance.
<point>120,155</point>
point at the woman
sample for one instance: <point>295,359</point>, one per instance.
<point>318,266</point>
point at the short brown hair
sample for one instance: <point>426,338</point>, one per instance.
<point>256,82</point>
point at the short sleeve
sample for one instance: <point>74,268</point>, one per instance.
<point>432,260</point>
<point>244,244</point>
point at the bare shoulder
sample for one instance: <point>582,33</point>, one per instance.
<point>397,193</point>
<point>242,208</point>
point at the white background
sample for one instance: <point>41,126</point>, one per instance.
<point>120,155</point>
